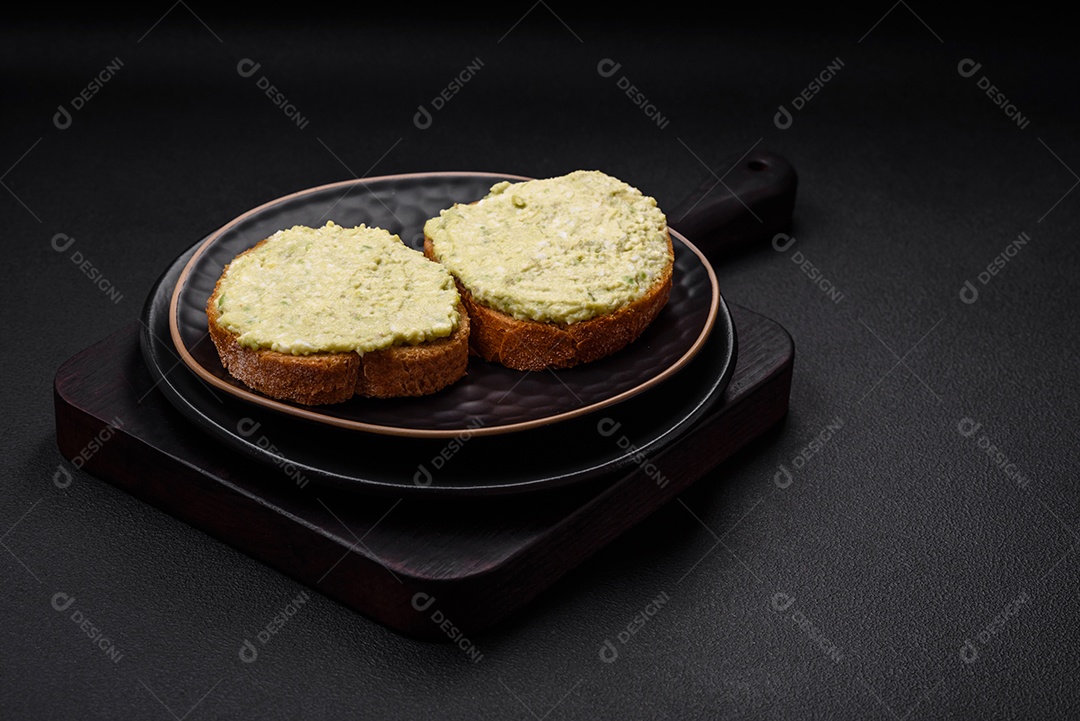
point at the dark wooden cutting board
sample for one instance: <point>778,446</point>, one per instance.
<point>420,567</point>
<point>448,566</point>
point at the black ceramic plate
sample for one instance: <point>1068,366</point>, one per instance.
<point>491,399</point>
<point>581,449</point>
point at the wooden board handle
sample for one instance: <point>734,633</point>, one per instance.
<point>752,201</point>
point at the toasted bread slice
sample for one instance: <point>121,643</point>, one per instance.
<point>322,377</point>
<point>527,268</point>
<point>524,344</point>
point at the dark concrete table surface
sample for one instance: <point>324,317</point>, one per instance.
<point>904,546</point>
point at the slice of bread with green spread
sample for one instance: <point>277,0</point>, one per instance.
<point>317,315</point>
<point>558,271</point>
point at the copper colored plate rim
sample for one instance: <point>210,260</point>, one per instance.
<point>315,416</point>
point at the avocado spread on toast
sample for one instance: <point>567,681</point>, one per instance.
<point>559,250</point>
<point>334,289</point>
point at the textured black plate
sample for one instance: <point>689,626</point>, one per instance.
<point>555,455</point>
<point>491,399</point>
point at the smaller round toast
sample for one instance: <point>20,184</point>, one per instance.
<point>418,347</point>
<point>556,272</point>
